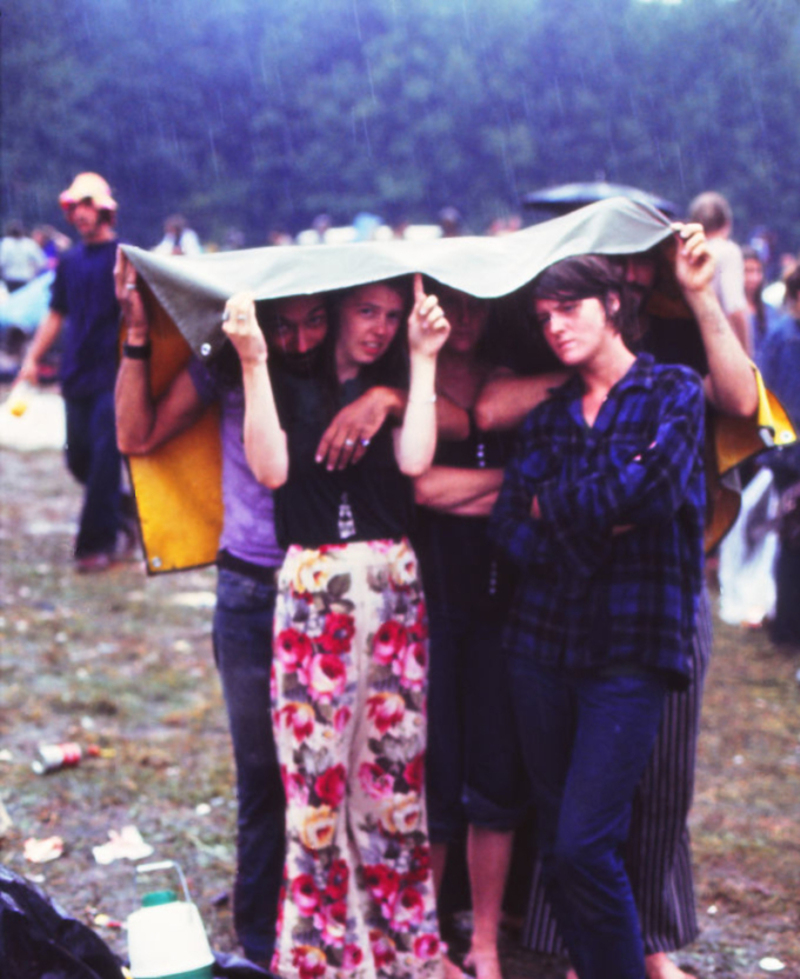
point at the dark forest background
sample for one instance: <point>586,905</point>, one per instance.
<point>259,114</point>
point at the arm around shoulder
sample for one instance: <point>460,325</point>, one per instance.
<point>507,398</point>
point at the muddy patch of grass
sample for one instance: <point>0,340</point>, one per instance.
<point>115,660</point>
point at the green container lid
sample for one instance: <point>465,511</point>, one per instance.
<point>204,972</point>
<point>155,898</point>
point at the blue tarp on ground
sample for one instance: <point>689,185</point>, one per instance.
<point>26,307</point>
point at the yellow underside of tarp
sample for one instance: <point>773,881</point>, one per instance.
<point>735,440</point>
<point>178,487</point>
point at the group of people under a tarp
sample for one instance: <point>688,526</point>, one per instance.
<point>460,580</point>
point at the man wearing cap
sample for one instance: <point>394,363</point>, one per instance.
<point>84,305</point>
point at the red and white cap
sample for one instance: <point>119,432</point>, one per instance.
<point>89,186</point>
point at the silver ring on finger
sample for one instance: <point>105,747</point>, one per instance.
<point>241,318</point>
<point>365,442</point>
<point>349,442</point>
<point>130,285</point>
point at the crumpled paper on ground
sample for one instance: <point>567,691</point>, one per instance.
<point>127,844</point>
<point>43,851</point>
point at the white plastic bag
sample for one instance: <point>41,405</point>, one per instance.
<point>747,556</point>
<point>32,419</point>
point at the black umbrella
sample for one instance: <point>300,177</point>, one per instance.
<point>568,197</point>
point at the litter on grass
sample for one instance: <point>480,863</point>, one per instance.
<point>43,851</point>
<point>127,844</point>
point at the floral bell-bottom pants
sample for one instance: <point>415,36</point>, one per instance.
<point>348,710</point>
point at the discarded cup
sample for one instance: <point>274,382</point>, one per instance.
<point>105,921</point>
<point>51,757</point>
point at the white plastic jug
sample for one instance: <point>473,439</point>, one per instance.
<point>166,938</point>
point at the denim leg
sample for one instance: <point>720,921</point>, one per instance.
<point>94,460</point>
<point>243,653</point>
<point>78,447</point>
<point>586,742</point>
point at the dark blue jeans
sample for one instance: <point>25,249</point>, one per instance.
<point>93,459</point>
<point>586,740</point>
<point>243,654</point>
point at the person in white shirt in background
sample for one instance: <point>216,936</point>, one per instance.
<point>179,239</point>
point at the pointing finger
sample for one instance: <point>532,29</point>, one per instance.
<point>419,292</point>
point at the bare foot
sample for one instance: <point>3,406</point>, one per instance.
<point>660,966</point>
<point>485,962</point>
<point>451,970</point>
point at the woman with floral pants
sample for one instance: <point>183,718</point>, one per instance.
<point>350,687</point>
<point>350,655</point>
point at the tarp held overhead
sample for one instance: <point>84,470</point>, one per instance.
<point>193,290</point>
<point>177,486</point>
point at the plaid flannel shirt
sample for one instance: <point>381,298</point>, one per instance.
<point>590,598</point>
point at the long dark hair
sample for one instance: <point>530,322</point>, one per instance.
<point>390,370</point>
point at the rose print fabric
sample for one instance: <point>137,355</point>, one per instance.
<point>348,699</point>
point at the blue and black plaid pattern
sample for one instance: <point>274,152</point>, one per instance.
<point>612,571</point>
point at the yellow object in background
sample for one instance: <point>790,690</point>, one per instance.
<point>20,398</point>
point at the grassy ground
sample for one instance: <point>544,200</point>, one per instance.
<point>124,662</point>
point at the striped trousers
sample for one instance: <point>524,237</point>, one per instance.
<point>657,856</point>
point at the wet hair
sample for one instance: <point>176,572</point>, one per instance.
<point>390,370</point>
<point>592,277</point>
<point>392,367</point>
<point>711,210</point>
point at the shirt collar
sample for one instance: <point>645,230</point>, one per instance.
<point>640,374</point>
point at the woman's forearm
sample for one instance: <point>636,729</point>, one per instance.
<point>265,443</point>
<point>415,442</point>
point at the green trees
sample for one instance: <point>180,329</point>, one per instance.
<point>254,115</point>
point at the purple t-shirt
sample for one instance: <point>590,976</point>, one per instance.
<point>248,526</point>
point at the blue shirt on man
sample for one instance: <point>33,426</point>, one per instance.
<point>83,292</point>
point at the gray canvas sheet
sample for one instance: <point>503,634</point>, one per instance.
<point>193,290</point>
